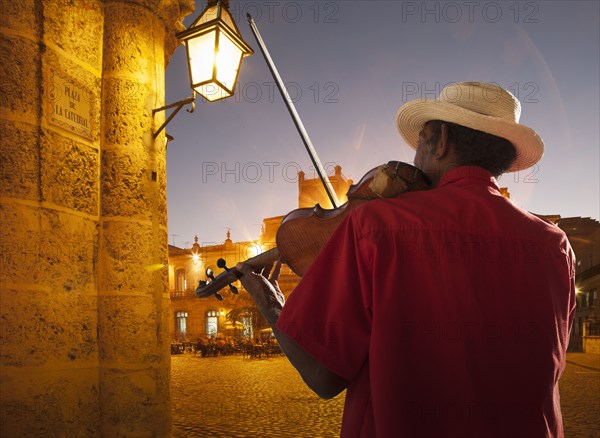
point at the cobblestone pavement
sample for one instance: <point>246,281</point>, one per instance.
<point>580,396</point>
<point>233,396</point>
<point>240,397</point>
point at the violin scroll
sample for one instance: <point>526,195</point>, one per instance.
<point>221,263</point>
<point>203,283</point>
<point>229,275</point>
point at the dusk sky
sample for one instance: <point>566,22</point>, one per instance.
<point>349,66</point>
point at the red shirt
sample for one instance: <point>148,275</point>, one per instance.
<point>447,310</point>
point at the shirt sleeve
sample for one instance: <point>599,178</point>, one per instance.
<point>329,313</point>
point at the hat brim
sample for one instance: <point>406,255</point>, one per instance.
<point>411,117</point>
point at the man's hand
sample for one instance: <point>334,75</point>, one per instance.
<point>264,289</point>
<point>269,299</point>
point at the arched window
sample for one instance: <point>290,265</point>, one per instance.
<point>180,283</point>
<point>212,323</point>
<point>181,324</point>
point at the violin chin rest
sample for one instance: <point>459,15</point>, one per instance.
<point>385,184</point>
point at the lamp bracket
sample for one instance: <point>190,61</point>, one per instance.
<point>177,105</point>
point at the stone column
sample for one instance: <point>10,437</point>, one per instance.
<point>50,89</point>
<point>83,244</point>
<point>133,296</point>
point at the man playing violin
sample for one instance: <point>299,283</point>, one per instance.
<point>443,312</point>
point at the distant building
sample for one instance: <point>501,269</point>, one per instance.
<point>312,192</point>
<point>584,235</point>
<point>194,318</point>
<point>236,316</point>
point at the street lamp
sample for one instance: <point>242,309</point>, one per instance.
<point>215,49</point>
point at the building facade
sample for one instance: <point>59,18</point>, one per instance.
<point>235,316</point>
<point>584,236</point>
<point>193,318</point>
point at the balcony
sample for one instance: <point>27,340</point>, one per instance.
<point>184,294</point>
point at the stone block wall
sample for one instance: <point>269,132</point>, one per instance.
<point>84,340</point>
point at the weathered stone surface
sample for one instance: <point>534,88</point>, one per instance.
<point>19,85</point>
<point>19,16</point>
<point>69,173</point>
<point>133,400</point>
<point>131,331</point>
<point>84,307</point>
<point>128,106</point>
<point>55,403</point>
<point>19,160</point>
<point>124,182</point>
<point>131,34</point>
<point>133,262</point>
<point>160,208</point>
<point>47,328</point>
<point>134,185</point>
<point>76,27</point>
<point>47,247</point>
<point>169,12</point>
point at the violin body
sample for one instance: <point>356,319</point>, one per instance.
<point>305,231</point>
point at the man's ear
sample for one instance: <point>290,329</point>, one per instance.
<point>443,146</point>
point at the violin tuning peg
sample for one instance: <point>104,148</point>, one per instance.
<point>218,296</point>
<point>221,263</point>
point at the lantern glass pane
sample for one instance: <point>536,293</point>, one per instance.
<point>201,52</point>
<point>228,61</point>
<point>228,19</point>
<point>207,15</point>
<point>212,92</point>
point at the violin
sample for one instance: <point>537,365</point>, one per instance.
<point>305,231</point>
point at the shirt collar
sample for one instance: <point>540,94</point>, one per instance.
<point>471,174</point>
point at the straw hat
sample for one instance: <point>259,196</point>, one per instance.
<point>476,105</point>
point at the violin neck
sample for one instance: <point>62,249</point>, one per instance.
<point>225,278</point>
<point>263,259</point>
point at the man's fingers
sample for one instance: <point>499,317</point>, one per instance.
<point>267,269</point>
<point>244,268</point>
<point>276,271</point>
<point>247,271</point>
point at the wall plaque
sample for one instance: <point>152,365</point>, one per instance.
<point>70,105</point>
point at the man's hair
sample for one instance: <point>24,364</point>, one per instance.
<point>476,148</point>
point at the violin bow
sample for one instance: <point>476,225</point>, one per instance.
<point>295,117</point>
